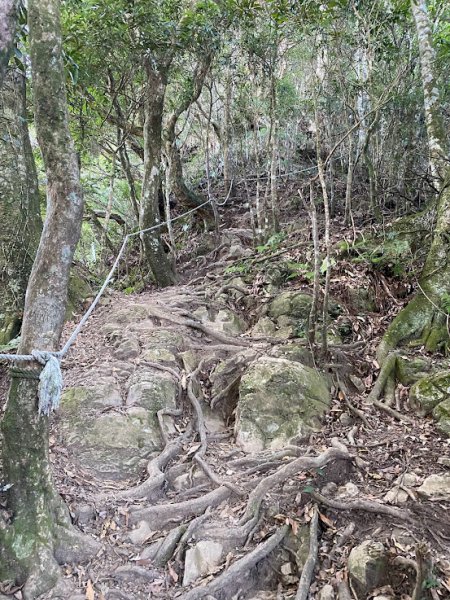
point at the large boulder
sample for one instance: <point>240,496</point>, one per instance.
<point>108,439</point>
<point>367,566</point>
<point>278,400</point>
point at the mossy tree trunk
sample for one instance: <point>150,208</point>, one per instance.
<point>423,320</point>
<point>8,19</point>
<point>156,71</point>
<point>183,194</point>
<point>19,204</point>
<point>40,532</point>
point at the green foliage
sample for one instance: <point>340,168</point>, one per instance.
<point>241,268</point>
<point>392,255</point>
<point>272,243</point>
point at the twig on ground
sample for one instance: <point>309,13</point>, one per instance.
<point>308,569</point>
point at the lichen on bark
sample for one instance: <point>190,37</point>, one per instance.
<point>19,204</point>
<point>39,521</point>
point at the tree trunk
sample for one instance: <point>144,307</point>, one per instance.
<point>149,210</point>
<point>39,531</point>
<point>423,321</point>
<point>8,19</point>
<point>227,135</point>
<point>19,205</point>
<point>183,194</point>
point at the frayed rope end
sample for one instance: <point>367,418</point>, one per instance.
<point>50,382</point>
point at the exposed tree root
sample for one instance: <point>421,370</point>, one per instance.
<point>389,365</point>
<point>386,383</point>
<point>343,591</point>
<point>424,566</point>
<point>151,487</point>
<point>308,568</point>
<point>365,505</point>
<point>303,463</point>
<point>226,584</point>
<point>160,515</point>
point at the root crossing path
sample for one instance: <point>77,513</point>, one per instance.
<point>215,459</point>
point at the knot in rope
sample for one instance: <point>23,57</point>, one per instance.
<point>50,381</point>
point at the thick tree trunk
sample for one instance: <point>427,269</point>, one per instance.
<point>8,19</point>
<point>423,321</point>
<point>149,210</point>
<point>40,531</point>
<point>19,205</point>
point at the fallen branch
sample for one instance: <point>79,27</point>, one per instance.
<point>308,569</point>
<point>227,582</point>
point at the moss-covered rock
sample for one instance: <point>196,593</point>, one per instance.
<point>410,370</point>
<point>441,413</point>
<point>430,391</point>
<point>278,400</point>
<point>116,444</point>
<point>291,303</point>
<point>79,291</point>
<point>367,566</point>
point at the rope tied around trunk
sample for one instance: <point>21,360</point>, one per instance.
<point>50,376</point>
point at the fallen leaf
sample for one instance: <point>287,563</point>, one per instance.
<point>90,594</point>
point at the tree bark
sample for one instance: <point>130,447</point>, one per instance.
<point>183,194</point>
<point>19,204</point>
<point>40,524</point>
<point>423,321</point>
<point>8,19</point>
<point>149,210</point>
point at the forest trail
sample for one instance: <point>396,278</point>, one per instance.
<point>158,454</point>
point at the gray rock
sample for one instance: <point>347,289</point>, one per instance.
<point>436,487</point>
<point>224,320</point>
<point>152,389</point>
<point>367,566</point>
<point>202,559</point>
<point>128,349</point>
<point>278,400</point>
<point>162,339</point>
<point>111,444</point>
<point>140,534</point>
<point>327,592</point>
